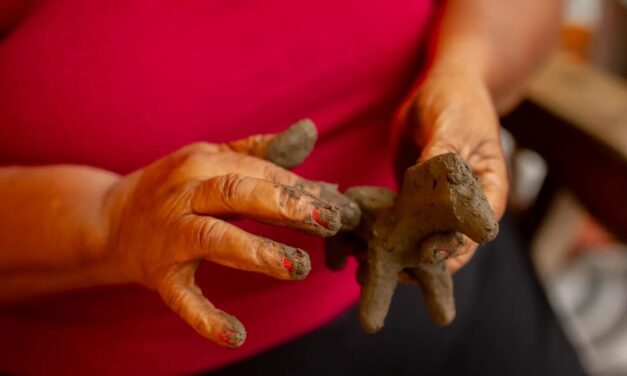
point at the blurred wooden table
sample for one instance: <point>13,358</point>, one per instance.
<point>576,118</point>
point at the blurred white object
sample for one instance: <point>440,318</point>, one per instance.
<point>530,171</point>
<point>585,13</point>
<point>590,295</point>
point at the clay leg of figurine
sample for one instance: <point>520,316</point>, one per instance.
<point>376,294</point>
<point>436,285</point>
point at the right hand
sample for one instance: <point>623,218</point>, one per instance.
<point>168,217</point>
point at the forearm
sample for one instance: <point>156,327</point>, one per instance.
<point>500,42</point>
<point>52,230</point>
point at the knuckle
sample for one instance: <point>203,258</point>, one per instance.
<point>209,233</point>
<point>197,147</point>
<point>270,173</point>
<point>291,201</point>
<point>229,186</point>
<point>194,153</point>
<point>277,174</point>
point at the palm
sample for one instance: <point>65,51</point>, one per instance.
<point>455,114</point>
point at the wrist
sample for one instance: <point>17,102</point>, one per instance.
<point>53,232</point>
<point>461,55</point>
<point>93,228</point>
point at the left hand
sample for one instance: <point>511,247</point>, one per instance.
<point>453,112</point>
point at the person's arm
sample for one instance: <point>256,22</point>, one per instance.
<point>66,227</point>
<point>52,229</point>
<point>500,42</point>
<point>483,52</point>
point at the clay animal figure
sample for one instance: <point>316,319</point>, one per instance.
<point>414,232</point>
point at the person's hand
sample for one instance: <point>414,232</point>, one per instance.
<point>453,112</point>
<point>168,217</point>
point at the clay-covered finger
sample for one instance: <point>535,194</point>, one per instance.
<point>184,297</point>
<point>349,209</point>
<point>286,149</point>
<point>463,255</point>
<point>228,245</point>
<point>265,201</point>
<point>439,247</point>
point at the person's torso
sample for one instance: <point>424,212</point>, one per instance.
<point>118,84</point>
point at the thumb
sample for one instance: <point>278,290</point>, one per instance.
<point>286,149</point>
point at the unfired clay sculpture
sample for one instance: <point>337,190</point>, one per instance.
<point>415,232</point>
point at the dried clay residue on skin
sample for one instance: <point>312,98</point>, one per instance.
<point>233,334</point>
<point>297,262</point>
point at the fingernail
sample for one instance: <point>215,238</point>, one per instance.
<point>441,254</point>
<point>233,332</point>
<point>297,262</point>
<point>225,336</point>
<point>232,337</point>
<point>328,218</point>
<point>351,215</point>
<point>287,264</point>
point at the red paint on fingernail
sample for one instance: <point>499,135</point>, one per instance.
<point>227,336</point>
<point>315,214</point>
<point>442,254</point>
<point>287,264</point>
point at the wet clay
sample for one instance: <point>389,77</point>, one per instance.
<point>414,232</point>
<point>287,149</point>
<point>290,148</point>
<point>350,213</point>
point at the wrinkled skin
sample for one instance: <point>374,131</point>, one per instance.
<point>453,112</point>
<point>169,216</point>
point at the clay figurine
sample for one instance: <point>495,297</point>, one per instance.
<point>414,231</point>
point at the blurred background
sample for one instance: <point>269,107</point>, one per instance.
<point>570,185</point>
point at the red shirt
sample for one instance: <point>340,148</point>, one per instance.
<point>118,84</point>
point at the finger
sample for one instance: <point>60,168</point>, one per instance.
<point>349,210</point>
<point>196,158</point>
<point>261,169</point>
<point>462,257</point>
<point>286,149</point>
<point>228,245</point>
<point>439,246</point>
<point>495,186</point>
<point>265,201</point>
<point>184,297</point>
